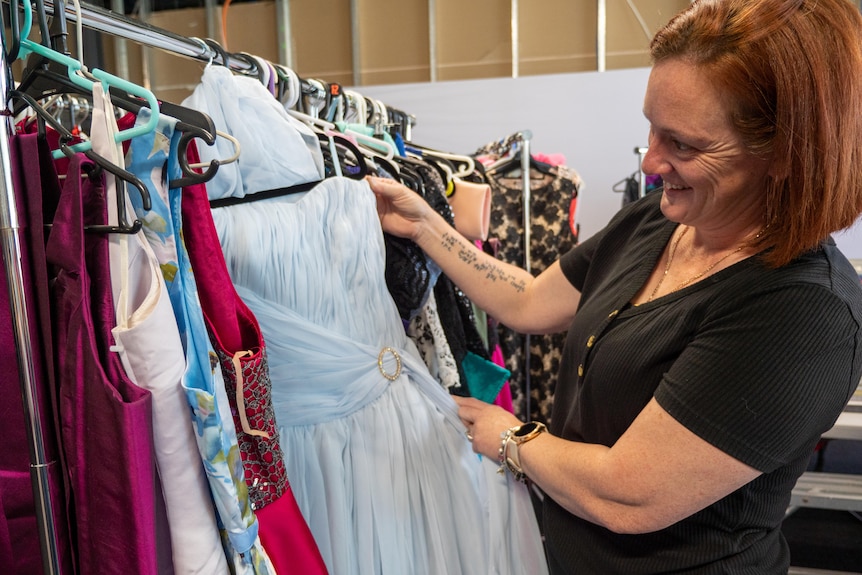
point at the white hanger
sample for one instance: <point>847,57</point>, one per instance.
<point>233,158</point>
<point>315,101</point>
<point>380,147</point>
<point>79,33</point>
<point>377,146</point>
<point>312,120</point>
<point>294,90</point>
<point>467,163</point>
<point>359,106</point>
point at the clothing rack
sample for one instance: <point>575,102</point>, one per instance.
<point>108,22</point>
<point>526,192</point>
<point>522,139</point>
<point>11,240</point>
<point>641,152</point>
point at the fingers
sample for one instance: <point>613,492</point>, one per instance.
<point>483,424</point>
<point>464,414</point>
<point>469,406</point>
<point>384,186</point>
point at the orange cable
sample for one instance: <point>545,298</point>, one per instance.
<point>224,24</point>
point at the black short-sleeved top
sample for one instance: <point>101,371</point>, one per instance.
<point>759,362</point>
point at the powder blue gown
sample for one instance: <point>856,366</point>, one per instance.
<point>374,449</point>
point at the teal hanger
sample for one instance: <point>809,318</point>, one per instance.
<point>74,67</point>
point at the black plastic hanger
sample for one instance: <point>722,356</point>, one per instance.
<point>48,80</point>
<point>255,71</point>
<point>410,175</point>
<point>192,123</point>
<point>42,21</point>
<point>389,167</point>
<point>411,179</point>
<point>123,176</point>
<point>282,81</point>
<point>347,152</point>
<point>511,164</point>
<point>45,81</point>
<point>190,176</point>
<point>438,165</point>
<point>221,53</point>
<point>14,32</point>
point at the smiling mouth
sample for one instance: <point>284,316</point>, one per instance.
<point>669,186</point>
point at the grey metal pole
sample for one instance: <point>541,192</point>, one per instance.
<point>641,177</point>
<point>516,41</point>
<point>354,34</point>
<point>146,62</point>
<point>121,46</point>
<point>432,39</point>
<point>527,193</point>
<point>285,38</point>
<point>12,258</point>
<point>601,35</point>
<point>210,13</point>
<point>526,136</point>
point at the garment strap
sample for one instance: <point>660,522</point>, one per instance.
<point>256,197</point>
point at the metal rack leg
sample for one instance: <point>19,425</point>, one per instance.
<point>12,259</point>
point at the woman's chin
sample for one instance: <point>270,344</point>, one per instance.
<point>674,203</point>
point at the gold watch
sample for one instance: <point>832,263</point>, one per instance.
<point>516,437</point>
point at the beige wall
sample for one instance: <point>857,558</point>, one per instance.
<point>473,39</point>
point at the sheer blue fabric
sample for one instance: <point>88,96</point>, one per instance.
<point>276,149</point>
<point>153,158</point>
<point>374,449</point>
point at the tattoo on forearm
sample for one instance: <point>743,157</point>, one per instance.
<point>492,271</point>
<point>449,241</point>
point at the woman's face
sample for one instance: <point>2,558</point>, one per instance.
<point>710,180</point>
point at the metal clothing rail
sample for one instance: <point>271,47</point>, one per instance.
<point>108,22</point>
<point>641,152</point>
<point>522,140</point>
<point>526,197</point>
<point>11,240</point>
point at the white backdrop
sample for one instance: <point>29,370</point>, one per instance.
<point>594,118</point>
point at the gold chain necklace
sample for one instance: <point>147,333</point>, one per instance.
<point>698,276</point>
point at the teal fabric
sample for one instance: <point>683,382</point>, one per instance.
<point>485,379</point>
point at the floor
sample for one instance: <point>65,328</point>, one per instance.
<point>824,538</point>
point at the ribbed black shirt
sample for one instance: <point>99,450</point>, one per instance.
<point>758,362</point>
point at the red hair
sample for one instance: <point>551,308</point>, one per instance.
<point>792,73</point>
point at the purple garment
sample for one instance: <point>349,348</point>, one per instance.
<point>106,420</point>
<point>19,536</point>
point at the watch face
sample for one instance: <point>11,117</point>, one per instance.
<point>526,429</point>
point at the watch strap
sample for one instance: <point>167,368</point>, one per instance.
<point>513,438</point>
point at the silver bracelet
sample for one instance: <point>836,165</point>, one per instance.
<point>504,445</point>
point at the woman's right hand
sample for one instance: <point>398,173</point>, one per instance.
<point>402,211</point>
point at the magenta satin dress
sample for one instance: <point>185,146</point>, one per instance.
<point>34,179</point>
<point>106,421</point>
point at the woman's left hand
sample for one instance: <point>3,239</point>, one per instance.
<point>485,423</point>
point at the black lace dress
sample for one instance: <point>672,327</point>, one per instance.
<point>553,190</point>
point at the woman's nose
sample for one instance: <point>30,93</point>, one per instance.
<point>653,161</point>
